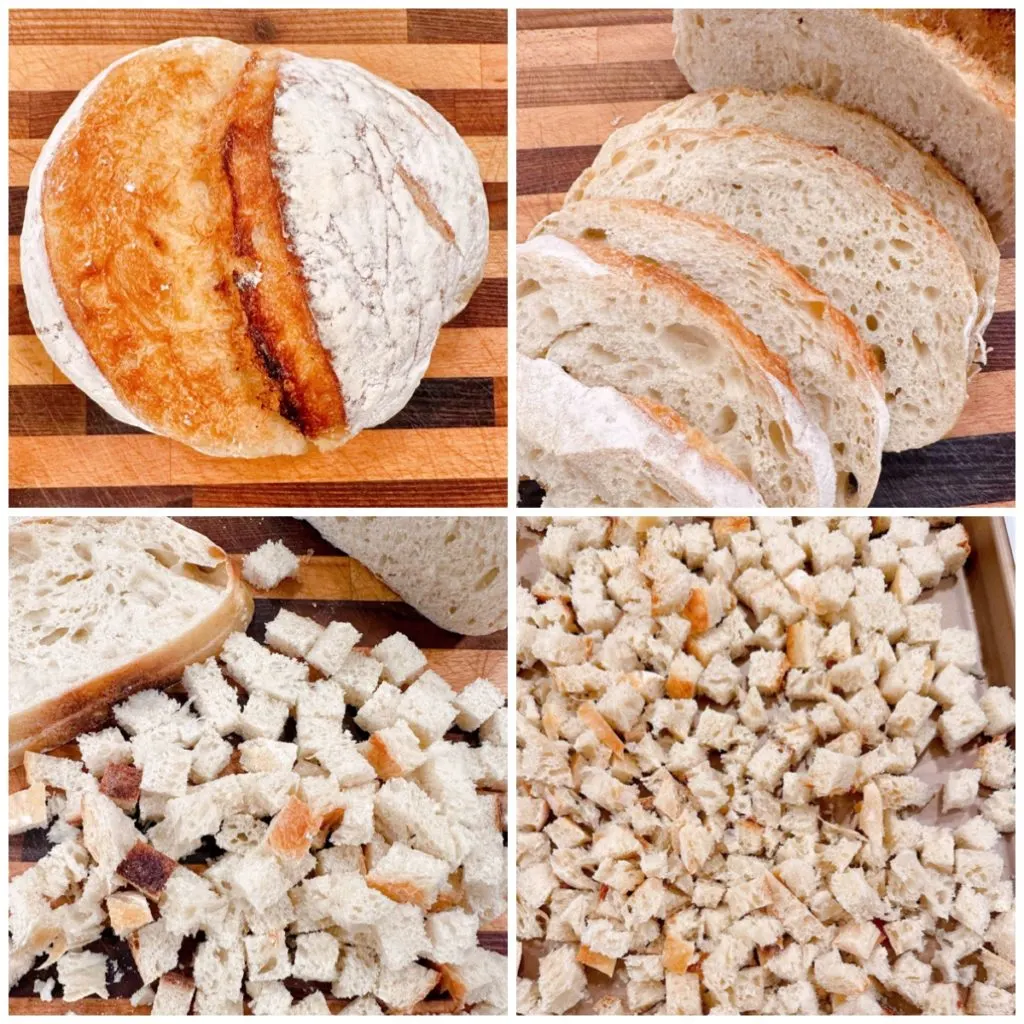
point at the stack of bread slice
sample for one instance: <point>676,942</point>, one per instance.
<point>792,284</point>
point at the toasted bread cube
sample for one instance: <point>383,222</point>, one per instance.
<point>924,623</point>
<point>906,586</point>
<point>996,762</point>
<point>394,751</point>
<point>26,809</point>
<point>1000,709</point>
<point>883,554</point>
<point>831,549</point>
<point>123,784</point>
<point>98,749</point>
<point>958,647</point>
<point>925,563</point>
<point>998,809</point>
<point>128,911</point>
<point>960,789</point>
<point>910,713</point>
<point>316,956</point>
<point>174,994</point>
<point>831,773</point>
<point>954,547</point>
<point>960,723</point>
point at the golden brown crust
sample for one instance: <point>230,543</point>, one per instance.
<point>986,36</point>
<point>292,829</point>
<point>598,961</point>
<point>595,721</point>
<point>278,318</point>
<point>122,783</point>
<point>147,869</point>
<point>379,756</point>
<point>398,890</point>
<point>87,707</point>
<point>745,341</point>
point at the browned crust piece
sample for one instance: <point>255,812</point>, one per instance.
<point>398,890</point>
<point>122,783</point>
<point>293,829</point>
<point>87,707</point>
<point>852,342</point>
<point>745,341</point>
<point>380,758</point>
<point>147,869</point>
<point>278,318</point>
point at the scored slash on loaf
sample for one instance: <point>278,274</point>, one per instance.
<point>835,214</point>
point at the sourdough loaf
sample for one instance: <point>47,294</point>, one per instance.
<point>858,137</point>
<point>452,569</point>
<point>596,446</point>
<point>874,252</point>
<point>944,79</point>
<point>282,239</point>
<point>831,367</point>
<point>612,320</point>
<point>100,608</point>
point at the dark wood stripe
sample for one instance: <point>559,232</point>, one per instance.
<point>457,26</point>
<point>102,497</point>
<point>957,471</point>
<point>495,191</point>
<point>471,111</point>
<point>497,204</point>
<point>143,26</point>
<point>999,337</point>
<point>541,171</point>
<point>583,84</point>
<point>376,620</point>
<point>47,409</point>
<point>33,115</point>
<point>488,307</point>
<point>1008,250</point>
<point>530,19</point>
<point>61,409</point>
<point>485,493</point>
<point>241,534</point>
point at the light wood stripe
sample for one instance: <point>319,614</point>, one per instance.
<point>433,66</point>
<point>459,352</point>
<point>491,152</point>
<point>1005,298</point>
<point>590,125</point>
<point>530,209</point>
<point>142,460</point>
<point>990,405</point>
<point>593,44</point>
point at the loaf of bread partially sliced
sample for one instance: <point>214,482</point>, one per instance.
<point>452,569</point>
<point>861,138</point>
<point>596,446</point>
<point>613,320</point>
<point>874,252</point>
<point>944,79</point>
<point>100,608</point>
<point>831,367</point>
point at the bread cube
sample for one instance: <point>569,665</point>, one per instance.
<point>906,531</point>
<point>270,564</point>
<point>166,770</point>
<point>952,685</point>
<point>998,809</point>
<point>954,547</point>
<point>81,975</point>
<point>910,713</point>
<point>767,766</point>
<point>853,674</point>
<point>316,957</point>
<point>128,911</point>
<point>721,680</point>
<point>766,670</point>
<point>882,554</point>
<point>905,585</point>
<point>984,999</point>
<point>478,701</point>
<point>260,670</point>
<point>264,716</point>
<point>174,994</point>
<point>996,762</point>
<point>145,710</point>
<point>831,549</point>
<point>26,809</point>
<point>960,789</point>
<point>714,729</point>
<point>960,723</point>
<point>1000,709</point>
<point>831,772</point>
<point>356,825</point>
<point>783,554</point>
<point>381,709</point>
<point>333,646</point>
<point>971,909</point>
<point>210,756</point>
<point>925,563</point>
<point>977,833</point>
<point>868,581</point>
<point>394,751</point>
<point>958,647</point>
<point>401,659</point>
<point>263,755</point>
<point>154,949</point>
<point>292,634</point>
<point>98,749</point>
<point>428,714</point>
<point>924,623</point>
<point>266,956</point>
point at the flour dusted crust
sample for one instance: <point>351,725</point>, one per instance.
<point>176,262</point>
<point>408,259</point>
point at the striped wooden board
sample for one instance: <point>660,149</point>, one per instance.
<point>580,75</point>
<point>447,447</point>
<point>329,586</point>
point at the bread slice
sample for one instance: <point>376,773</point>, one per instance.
<point>452,569</point>
<point>595,446</point>
<point>101,608</point>
<point>833,370</point>
<point>944,79</point>
<point>612,320</point>
<point>858,137</point>
<point>874,252</point>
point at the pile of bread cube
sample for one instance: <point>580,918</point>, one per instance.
<point>722,727</point>
<point>358,862</point>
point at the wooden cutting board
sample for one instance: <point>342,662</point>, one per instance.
<point>582,74</point>
<point>329,586</point>
<point>446,448</point>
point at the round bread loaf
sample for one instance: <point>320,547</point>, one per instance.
<point>250,252</point>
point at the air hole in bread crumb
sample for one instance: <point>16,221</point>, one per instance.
<point>724,421</point>
<point>777,433</point>
<point>871,322</point>
<point>640,170</point>
<point>894,263</point>
<point>931,293</point>
<point>52,637</point>
<point>649,328</point>
<point>595,234</point>
<point>920,347</point>
<point>487,579</point>
<point>527,287</point>
<point>901,244</point>
<point>879,354</point>
<point>549,316</point>
<point>83,551</point>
